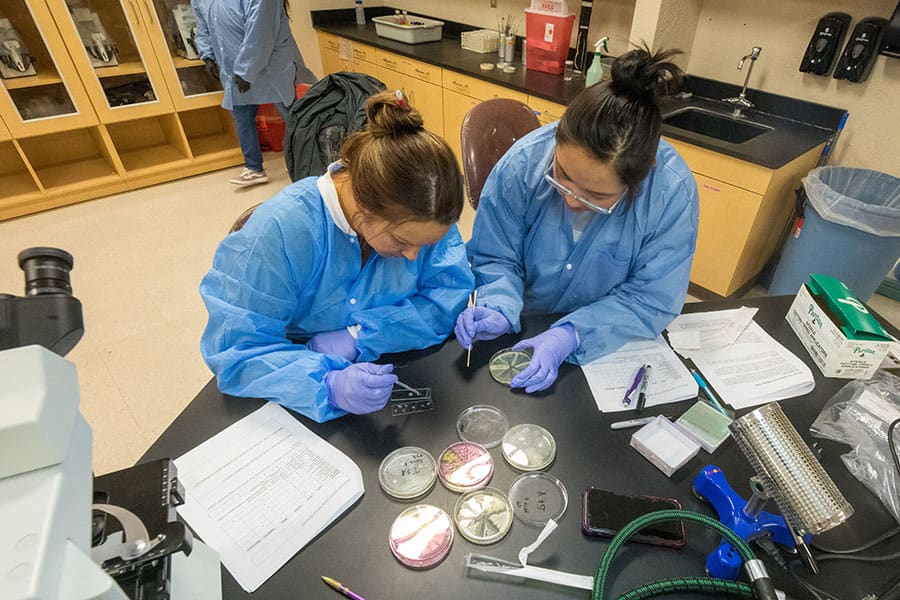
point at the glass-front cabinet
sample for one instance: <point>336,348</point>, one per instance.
<point>40,91</point>
<point>110,45</point>
<point>172,30</point>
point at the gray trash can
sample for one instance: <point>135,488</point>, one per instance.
<point>851,231</point>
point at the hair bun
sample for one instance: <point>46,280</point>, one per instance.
<point>389,113</point>
<point>641,74</point>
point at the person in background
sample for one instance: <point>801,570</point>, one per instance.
<point>336,270</point>
<point>594,217</point>
<point>248,46</point>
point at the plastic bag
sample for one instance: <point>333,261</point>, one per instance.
<point>865,200</point>
<point>859,415</point>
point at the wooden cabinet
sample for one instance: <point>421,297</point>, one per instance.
<point>340,54</point>
<point>119,69</point>
<point>744,211</point>
<point>111,105</point>
<point>49,96</point>
<point>189,85</point>
<point>419,82</point>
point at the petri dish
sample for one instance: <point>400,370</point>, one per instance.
<point>507,363</point>
<point>528,447</point>
<point>421,536</point>
<point>482,424</point>
<point>407,473</point>
<point>538,497</point>
<point>483,516</point>
<point>465,466</point>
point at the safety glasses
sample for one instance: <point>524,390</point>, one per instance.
<point>565,191</point>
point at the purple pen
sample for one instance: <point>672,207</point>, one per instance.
<point>343,589</point>
<point>639,376</point>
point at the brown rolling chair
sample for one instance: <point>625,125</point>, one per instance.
<point>488,131</point>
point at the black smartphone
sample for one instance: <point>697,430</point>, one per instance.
<point>606,513</point>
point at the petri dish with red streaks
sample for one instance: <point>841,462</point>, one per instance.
<point>465,466</point>
<point>421,536</point>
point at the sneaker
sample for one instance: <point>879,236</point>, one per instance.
<point>249,177</point>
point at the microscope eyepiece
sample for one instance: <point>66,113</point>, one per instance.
<point>46,271</point>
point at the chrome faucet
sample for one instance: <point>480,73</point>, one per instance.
<point>741,99</point>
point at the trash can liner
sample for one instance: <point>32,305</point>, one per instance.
<point>865,200</point>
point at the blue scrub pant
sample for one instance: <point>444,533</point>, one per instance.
<point>244,117</point>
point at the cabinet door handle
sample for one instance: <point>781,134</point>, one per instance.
<point>422,73</point>
<point>464,86</point>
<point>148,3</point>
<point>390,63</point>
<point>137,17</point>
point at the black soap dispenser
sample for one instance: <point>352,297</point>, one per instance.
<point>825,43</point>
<point>863,46</point>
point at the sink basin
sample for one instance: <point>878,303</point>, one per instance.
<point>721,127</point>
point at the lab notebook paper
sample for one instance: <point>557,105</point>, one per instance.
<point>610,376</point>
<point>753,370</point>
<point>260,490</point>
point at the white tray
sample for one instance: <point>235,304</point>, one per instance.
<point>416,31</point>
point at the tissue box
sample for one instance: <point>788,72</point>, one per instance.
<point>837,330</point>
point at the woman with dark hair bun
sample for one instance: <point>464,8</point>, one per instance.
<point>337,270</point>
<point>595,217</point>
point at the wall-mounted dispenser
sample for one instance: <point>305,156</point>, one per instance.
<point>891,45</point>
<point>861,49</point>
<point>825,43</point>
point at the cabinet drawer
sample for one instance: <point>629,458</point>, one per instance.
<point>363,52</point>
<point>735,171</point>
<point>478,89</point>
<point>388,60</point>
<point>420,70</point>
<point>546,111</point>
<point>329,41</point>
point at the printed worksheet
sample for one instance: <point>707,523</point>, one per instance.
<point>610,376</point>
<point>260,490</point>
<point>755,370</point>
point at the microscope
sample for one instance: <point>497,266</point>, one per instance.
<point>66,534</point>
<point>48,315</point>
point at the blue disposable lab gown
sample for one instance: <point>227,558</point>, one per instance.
<point>291,272</point>
<point>251,38</point>
<point>625,278</point>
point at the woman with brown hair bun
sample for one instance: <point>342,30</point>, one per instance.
<point>594,217</point>
<point>336,270</point>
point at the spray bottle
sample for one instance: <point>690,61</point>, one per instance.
<point>595,72</point>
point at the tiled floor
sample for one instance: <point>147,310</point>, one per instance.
<point>139,257</point>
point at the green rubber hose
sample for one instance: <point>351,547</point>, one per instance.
<point>699,584</point>
<point>704,585</point>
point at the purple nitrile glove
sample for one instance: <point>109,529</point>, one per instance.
<point>361,388</point>
<point>335,343</point>
<point>548,351</point>
<point>479,323</point>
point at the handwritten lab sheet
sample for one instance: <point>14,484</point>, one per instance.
<point>755,370</point>
<point>610,377</point>
<point>260,490</point>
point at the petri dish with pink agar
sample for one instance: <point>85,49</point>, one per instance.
<point>421,536</point>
